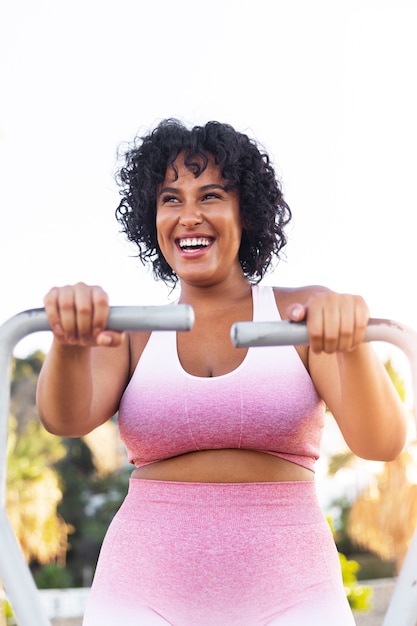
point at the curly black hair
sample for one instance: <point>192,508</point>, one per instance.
<point>244,166</point>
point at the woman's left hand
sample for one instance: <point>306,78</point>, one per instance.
<point>335,322</point>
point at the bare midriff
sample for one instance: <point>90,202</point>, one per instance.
<point>224,466</point>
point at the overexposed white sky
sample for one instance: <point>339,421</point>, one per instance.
<point>328,87</point>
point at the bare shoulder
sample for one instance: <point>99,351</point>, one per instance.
<point>286,296</point>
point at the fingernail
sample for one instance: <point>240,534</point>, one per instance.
<point>105,340</point>
<point>296,310</point>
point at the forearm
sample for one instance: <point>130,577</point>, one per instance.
<point>65,390</point>
<point>365,403</point>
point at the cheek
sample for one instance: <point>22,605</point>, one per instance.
<point>160,225</point>
<point>239,227</point>
<point>163,238</point>
<point>162,244</point>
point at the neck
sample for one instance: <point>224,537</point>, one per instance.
<point>225,294</point>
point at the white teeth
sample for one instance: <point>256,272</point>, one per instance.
<point>194,242</point>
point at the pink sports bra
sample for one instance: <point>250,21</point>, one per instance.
<point>268,403</point>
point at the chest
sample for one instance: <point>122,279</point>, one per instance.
<point>207,350</point>
<point>268,403</point>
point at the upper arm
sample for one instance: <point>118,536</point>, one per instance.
<point>110,369</point>
<point>357,390</point>
<point>80,389</point>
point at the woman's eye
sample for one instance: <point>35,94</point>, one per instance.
<point>168,199</point>
<point>211,196</point>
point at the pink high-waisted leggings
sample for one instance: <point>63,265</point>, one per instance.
<point>241,554</point>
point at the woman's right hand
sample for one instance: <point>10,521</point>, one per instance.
<point>78,316</point>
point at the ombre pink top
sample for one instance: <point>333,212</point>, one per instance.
<point>268,403</point>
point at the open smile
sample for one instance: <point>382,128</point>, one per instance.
<point>194,244</point>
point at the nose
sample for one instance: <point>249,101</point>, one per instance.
<point>190,214</point>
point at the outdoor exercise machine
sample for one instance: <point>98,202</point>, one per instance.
<point>14,572</point>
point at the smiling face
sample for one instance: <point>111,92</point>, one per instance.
<point>199,225</point>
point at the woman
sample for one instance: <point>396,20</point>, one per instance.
<point>221,524</point>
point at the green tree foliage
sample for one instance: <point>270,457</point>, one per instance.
<point>28,367</point>
<point>23,388</point>
<point>53,576</point>
<point>6,614</point>
<point>32,495</point>
<point>33,492</point>
<point>397,379</point>
<point>33,485</point>
<point>89,504</point>
<point>359,596</point>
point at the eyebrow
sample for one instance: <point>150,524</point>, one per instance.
<point>203,188</point>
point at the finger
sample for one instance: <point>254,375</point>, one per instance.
<point>347,324</point>
<point>331,329</point>
<point>92,310</point>
<point>323,323</point>
<point>315,325</point>
<point>50,303</point>
<point>66,312</point>
<point>362,314</point>
<point>84,312</point>
<point>354,316</point>
<point>100,302</point>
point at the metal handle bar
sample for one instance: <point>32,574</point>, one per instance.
<point>14,573</point>
<point>179,317</point>
<point>285,333</point>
